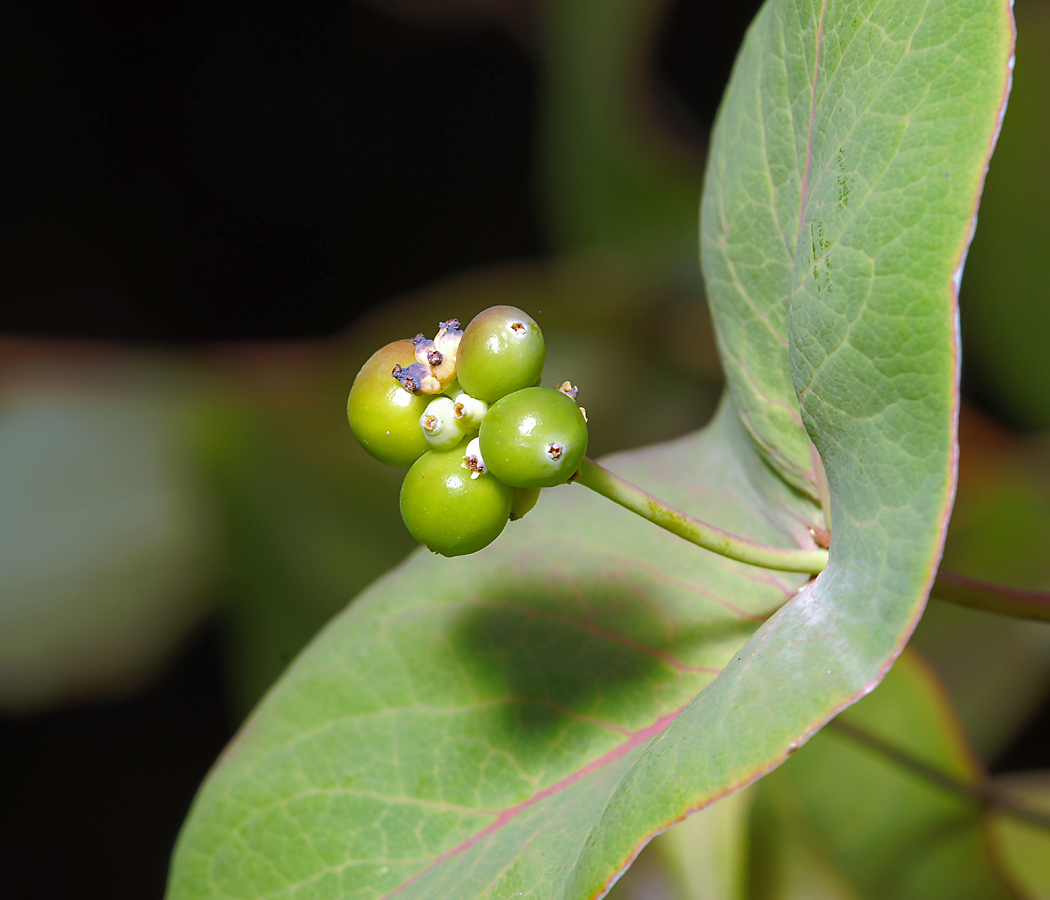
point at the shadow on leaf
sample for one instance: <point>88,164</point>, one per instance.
<point>584,651</point>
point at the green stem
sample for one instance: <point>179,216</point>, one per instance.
<point>992,598</point>
<point>982,794</point>
<point>613,487</point>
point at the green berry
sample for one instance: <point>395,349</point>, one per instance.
<point>451,509</point>
<point>535,437</point>
<point>501,351</point>
<point>383,415</point>
<point>525,500</point>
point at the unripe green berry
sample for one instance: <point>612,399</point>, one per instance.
<point>449,511</point>
<point>501,351</point>
<point>525,500</point>
<point>383,415</point>
<point>535,437</point>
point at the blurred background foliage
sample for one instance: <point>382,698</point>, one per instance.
<point>215,213</point>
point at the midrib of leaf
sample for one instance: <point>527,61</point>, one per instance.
<point>635,739</point>
<point>812,116</point>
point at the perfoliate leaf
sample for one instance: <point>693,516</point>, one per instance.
<point>459,707</point>
<point>519,723</point>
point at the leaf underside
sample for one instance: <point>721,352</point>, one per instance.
<point>520,722</point>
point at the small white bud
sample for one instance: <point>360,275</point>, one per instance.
<point>469,409</point>
<point>440,426</point>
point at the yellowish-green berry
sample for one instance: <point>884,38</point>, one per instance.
<point>383,415</point>
<point>501,351</point>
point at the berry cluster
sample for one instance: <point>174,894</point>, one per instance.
<point>465,412</point>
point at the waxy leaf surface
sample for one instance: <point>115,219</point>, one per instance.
<point>465,721</point>
<point>519,723</point>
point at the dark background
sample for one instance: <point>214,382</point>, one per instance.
<point>193,172</point>
<point>197,172</point>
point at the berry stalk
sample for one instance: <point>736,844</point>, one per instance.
<point>613,487</point>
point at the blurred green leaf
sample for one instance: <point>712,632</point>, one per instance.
<point>702,858</point>
<point>867,823</point>
<point>612,176</point>
<point>106,538</point>
<point>1024,847</point>
<point>307,520</point>
<point>1006,294</point>
<point>996,668</point>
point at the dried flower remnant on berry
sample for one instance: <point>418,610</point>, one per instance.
<point>427,353</point>
<point>446,344</point>
<point>570,391</point>
<point>417,379</point>
<point>473,460</point>
<point>449,333</point>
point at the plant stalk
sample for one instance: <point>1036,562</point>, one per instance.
<point>613,487</point>
<point>982,793</point>
<point>992,598</point>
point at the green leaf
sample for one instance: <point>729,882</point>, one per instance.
<point>836,216</point>
<point>460,705</point>
<point>867,822</point>
<point>106,538</point>
<point>520,722</point>
<point>1006,304</point>
<point>611,176</point>
<point>1024,846</point>
<point>997,668</point>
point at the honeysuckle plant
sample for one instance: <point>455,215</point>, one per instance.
<point>522,720</point>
